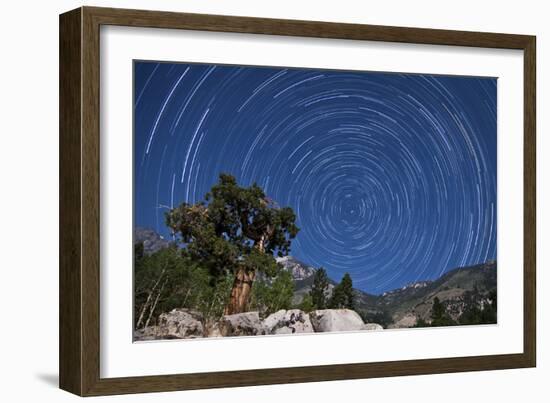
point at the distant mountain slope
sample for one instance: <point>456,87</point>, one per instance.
<point>302,274</point>
<point>152,242</point>
<point>403,307</point>
<point>457,289</point>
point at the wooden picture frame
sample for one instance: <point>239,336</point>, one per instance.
<point>79,348</point>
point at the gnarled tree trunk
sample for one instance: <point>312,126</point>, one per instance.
<point>242,286</point>
<point>240,293</point>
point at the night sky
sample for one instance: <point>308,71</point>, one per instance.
<point>392,176</point>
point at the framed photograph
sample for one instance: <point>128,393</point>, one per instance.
<point>249,201</point>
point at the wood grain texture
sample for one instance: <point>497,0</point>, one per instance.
<point>90,201</point>
<point>530,203</point>
<point>70,314</point>
<point>316,29</point>
<point>80,200</point>
<point>162,383</point>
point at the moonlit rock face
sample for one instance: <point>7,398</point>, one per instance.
<point>392,176</point>
<point>180,324</point>
<point>409,320</point>
<point>272,320</point>
<point>241,324</point>
<point>413,286</point>
<point>298,270</point>
<point>372,326</point>
<point>420,284</point>
<point>152,242</point>
<point>336,320</point>
<point>288,322</point>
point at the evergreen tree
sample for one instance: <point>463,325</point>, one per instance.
<point>347,287</point>
<point>477,312</point>
<point>382,317</point>
<point>438,310</point>
<point>342,295</point>
<point>471,316</point>
<point>139,251</point>
<point>235,231</point>
<point>421,323</point>
<point>493,298</point>
<point>439,316</point>
<point>319,289</point>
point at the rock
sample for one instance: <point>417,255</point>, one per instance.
<point>336,320</point>
<point>180,324</point>
<point>297,269</point>
<point>372,326</point>
<point>212,329</point>
<point>148,333</point>
<point>272,320</point>
<point>241,324</point>
<point>288,322</point>
<point>409,320</point>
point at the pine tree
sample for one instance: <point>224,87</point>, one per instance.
<point>235,231</point>
<point>347,287</point>
<point>319,289</point>
<point>439,316</point>
<point>342,295</point>
<point>437,309</point>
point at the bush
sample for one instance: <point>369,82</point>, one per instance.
<point>307,304</point>
<point>168,279</point>
<point>271,296</point>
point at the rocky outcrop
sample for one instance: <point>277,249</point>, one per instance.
<point>241,324</point>
<point>297,269</point>
<point>180,324</point>
<point>152,242</point>
<point>186,324</point>
<point>409,320</point>
<point>372,326</point>
<point>460,290</point>
<point>176,324</point>
<point>336,320</point>
<point>147,334</point>
<point>288,322</point>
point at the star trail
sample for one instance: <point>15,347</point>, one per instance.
<point>392,176</point>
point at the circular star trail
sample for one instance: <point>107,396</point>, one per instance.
<point>392,176</point>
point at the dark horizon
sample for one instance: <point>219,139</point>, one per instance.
<point>392,176</point>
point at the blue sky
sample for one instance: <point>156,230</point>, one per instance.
<point>392,176</point>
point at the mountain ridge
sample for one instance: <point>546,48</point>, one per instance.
<point>458,289</point>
